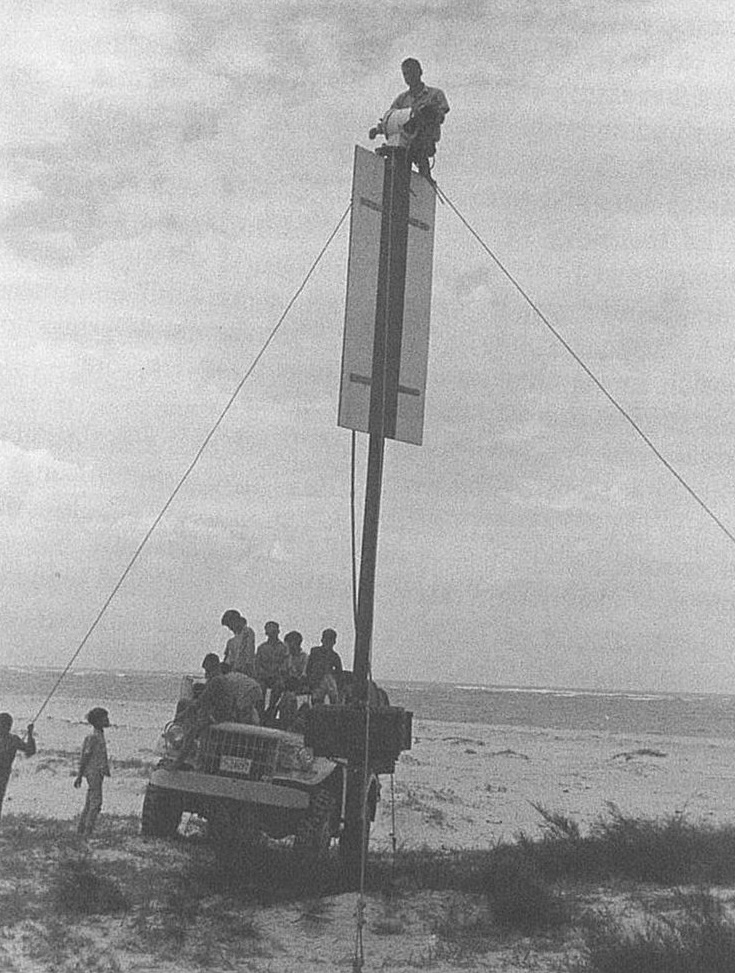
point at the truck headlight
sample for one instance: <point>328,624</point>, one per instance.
<point>306,758</point>
<point>295,756</point>
<point>173,736</point>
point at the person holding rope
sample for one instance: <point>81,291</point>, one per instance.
<point>10,744</point>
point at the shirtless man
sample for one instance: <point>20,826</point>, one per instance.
<point>10,744</point>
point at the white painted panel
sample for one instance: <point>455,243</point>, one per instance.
<point>416,312</point>
<point>362,288</point>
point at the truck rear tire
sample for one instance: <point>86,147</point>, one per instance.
<point>355,837</point>
<point>161,813</point>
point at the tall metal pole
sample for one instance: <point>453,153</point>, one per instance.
<point>383,408</point>
<point>384,389</point>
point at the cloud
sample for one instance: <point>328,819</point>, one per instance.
<point>34,486</point>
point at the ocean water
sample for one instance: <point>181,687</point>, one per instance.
<point>147,696</point>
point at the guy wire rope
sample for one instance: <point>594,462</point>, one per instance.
<point>353,528</point>
<point>577,358</point>
<point>190,468</point>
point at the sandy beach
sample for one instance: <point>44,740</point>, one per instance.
<point>460,786</point>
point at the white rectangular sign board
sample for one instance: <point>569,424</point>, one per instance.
<point>362,286</point>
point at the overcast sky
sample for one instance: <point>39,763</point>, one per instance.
<point>170,171</point>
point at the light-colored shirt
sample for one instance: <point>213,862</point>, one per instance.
<point>240,651</point>
<point>247,694</point>
<point>94,755</point>
<point>426,97</point>
<point>296,665</point>
<point>216,703</point>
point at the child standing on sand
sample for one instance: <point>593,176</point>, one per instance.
<point>10,744</point>
<point>94,766</point>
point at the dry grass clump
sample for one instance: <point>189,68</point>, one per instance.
<point>180,903</point>
<point>80,888</point>
<point>698,938</point>
<point>182,919</point>
<point>520,881</point>
<point>464,930</point>
<point>517,894</point>
<point>521,899</point>
<point>667,851</point>
<point>57,946</point>
<point>14,904</point>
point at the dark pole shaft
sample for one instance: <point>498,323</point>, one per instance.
<point>384,390</point>
<point>368,564</point>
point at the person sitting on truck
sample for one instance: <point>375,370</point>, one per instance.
<point>296,661</point>
<point>324,670</point>
<point>216,703</point>
<point>248,695</point>
<point>295,684</point>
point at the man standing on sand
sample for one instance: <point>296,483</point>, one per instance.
<point>95,766</point>
<point>240,649</point>
<point>10,744</point>
<point>429,106</point>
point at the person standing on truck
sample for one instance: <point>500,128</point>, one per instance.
<point>10,744</point>
<point>271,659</point>
<point>324,670</point>
<point>240,649</point>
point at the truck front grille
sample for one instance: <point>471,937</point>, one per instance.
<point>231,754</point>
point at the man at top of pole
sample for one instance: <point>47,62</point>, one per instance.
<point>418,126</point>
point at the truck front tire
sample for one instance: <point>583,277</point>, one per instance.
<point>161,815</point>
<point>314,833</point>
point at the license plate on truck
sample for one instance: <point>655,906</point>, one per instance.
<point>235,765</point>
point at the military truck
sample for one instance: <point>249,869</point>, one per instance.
<point>249,782</point>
